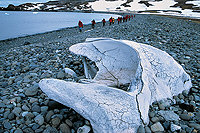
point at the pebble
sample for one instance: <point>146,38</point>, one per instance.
<point>185,117</point>
<point>17,111</point>
<point>140,129</point>
<point>55,122</point>
<point>64,128</point>
<point>50,130</point>
<point>25,108</point>
<point>157,127</point>
<point>147,129</point>
<point>86,129</point>
<point>31,91</point>
<point>195,125</point>
<point>18,131</point>
<point>169,115</point>
<point>174,127</point>
<point>36,108</point>
<point>68,122</point>
<point>39,119</point>
<point>48,116</point>
<point>7,125</point>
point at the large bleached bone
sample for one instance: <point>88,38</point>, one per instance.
<point>108,109</point>
<point>152,74</point>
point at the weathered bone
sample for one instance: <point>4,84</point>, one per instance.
<point>153,75</point>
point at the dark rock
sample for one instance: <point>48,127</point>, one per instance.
<point>187,107</point>
<point>55,105</point>
<point>166,125</point>
<point>27,43</point>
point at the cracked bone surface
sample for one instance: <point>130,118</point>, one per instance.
<point>153,75</point>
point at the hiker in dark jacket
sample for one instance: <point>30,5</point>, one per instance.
<point>104,21</point>
<point>93,23</point>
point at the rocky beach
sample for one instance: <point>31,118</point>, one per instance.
<point>24,61</point>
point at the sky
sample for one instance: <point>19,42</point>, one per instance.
<point>5,3</point>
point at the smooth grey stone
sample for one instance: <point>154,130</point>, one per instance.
<point>48,116</point>
<point>18,131</point>
<point>186,117</point>
<point>11,116</point>
<point>147,129</point>
<point>31,91</point>
<point>157,127</point>
<point>64,128</point>
<point>17,111</point>
<point>141,129</point>
<point>7,125</point>
<point>39,119</point>
<point>55,121</point>
<point>36,108</point>
<point>50,130</point>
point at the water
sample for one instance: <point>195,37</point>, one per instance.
<point>17,24</point>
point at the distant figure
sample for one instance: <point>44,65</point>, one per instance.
<point>132,16</point>
<point>104,21</point>
<point>118,20</point>
<point>80,24</point>
<point>93,23</point>
<point>111,20</point>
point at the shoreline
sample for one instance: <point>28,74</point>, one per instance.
<point>25,39</point>
<point>26,108</point>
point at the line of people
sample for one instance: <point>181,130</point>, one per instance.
<point>111,21</point>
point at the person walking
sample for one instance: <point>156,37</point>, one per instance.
<point>80,25</point>
<point>118,20</point>
<point>111,20</point>
<point>93,23</point>
<point>104,21</point>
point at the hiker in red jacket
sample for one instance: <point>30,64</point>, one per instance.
<point>93,23</point>
<point>80,25</point>
<point>118,20</point>
<point>104,21</point>
<point>111,20</point>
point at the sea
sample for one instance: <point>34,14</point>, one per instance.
<point>18,23</point>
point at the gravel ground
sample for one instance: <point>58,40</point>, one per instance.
<point>25,61</point>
